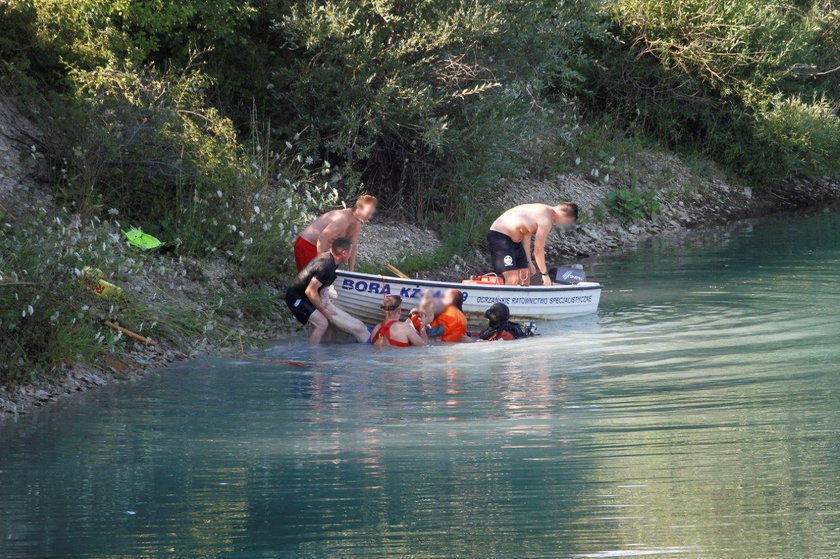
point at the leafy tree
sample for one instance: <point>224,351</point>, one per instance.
<point>748,82</point>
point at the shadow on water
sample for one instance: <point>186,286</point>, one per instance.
<point>696,416</point>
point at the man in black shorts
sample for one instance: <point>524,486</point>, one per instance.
<point>506,255</point>
<point>309,302</point>
<point>510,236</point>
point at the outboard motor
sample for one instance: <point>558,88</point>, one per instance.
<point>572,275</point>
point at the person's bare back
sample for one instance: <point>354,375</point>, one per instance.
<point>392,331</point>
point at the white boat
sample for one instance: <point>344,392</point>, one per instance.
<point>361,296</point>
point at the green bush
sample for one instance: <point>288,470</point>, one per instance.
<point>87,34</point>
<point>748,82</point>
<point>423,101</point>
<point>631,204</point>
<point>803,137</point>
<point>150,146</point>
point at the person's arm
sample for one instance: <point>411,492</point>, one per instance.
<point>435,330</point>
<point>354,238</point>
<point>539,252</point>
<point>414,338</point>
<point>526,244</point>
<point>313,293</point>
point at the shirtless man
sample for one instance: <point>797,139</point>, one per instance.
<point>319,236</point>
<point>509,240</point>
<point>393,332</point>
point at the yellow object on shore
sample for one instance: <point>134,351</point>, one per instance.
<point>92,279</point>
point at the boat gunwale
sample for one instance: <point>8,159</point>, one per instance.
<point>513,288</point>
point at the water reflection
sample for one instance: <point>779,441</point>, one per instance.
<point>697,416</point>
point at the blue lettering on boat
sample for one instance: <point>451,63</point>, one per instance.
<point>363,286</point>
<point>540,301</point>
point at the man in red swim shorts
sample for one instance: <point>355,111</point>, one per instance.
<point>318,237</point>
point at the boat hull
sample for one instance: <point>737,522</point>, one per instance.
<point>361,296</point>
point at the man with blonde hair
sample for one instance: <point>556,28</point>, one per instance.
<point>510,237</point>
<point>318,237</point>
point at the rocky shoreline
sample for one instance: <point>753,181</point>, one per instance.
<point>686,202</point>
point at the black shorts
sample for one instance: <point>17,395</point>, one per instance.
<point>300,306</point>
<point>505,255</point>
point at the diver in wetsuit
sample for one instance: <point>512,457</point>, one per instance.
<point>501,328</point>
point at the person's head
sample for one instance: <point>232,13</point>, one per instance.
<point>341,250</point>
<point>497,314</point>
<point>365,208</point>
<point>565,213</point>
<point>392,306</point>
<point>454,298</point>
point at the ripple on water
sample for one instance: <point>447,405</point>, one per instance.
<point>696,416</point>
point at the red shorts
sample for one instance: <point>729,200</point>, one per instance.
<point>305,252</point>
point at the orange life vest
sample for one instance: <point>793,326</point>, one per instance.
<point>454,324</point>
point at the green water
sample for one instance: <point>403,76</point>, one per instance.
<point>698,415</point>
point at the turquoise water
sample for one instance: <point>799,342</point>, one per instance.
<point>698,415</point>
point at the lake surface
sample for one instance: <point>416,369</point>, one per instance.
<point>697,415</point>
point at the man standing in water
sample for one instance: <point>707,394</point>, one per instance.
<point>309,303</point>
<point>319,236</point>
<point>509,240</point>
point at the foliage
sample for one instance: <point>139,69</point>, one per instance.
<point>422,101</point>
<point>47,318</point>
<point>91,33</point>
<point>255,303</point>
<point>804,136</point>
<point>718,78</point>
<point>148,144</point>
<point>50,320</point>
<point>631,204</point>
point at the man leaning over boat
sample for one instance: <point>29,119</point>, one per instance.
<point>510,237</point>
<point>319,236</point>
